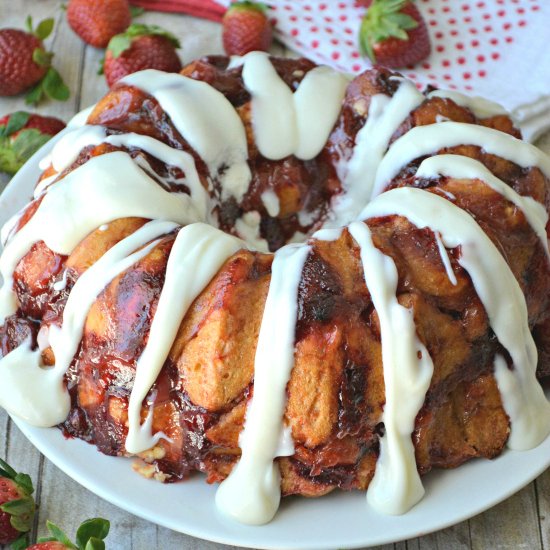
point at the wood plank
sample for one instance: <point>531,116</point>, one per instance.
<point>4,433</point>
<point>512,525</point>
<point>69,65</point>
<point>542,485</point>
<point>453,538</point>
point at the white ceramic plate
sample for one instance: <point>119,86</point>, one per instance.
<point>339,520</point>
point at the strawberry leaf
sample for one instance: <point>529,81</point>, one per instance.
<point>54,87</point>
<point>248,5</point>
<point>19,507</point>
<point>59,535</point>
<point>95,544</point>
<point>27,143</point>
<point>7,470</point>
<point>404,21</point>
<point>20,543</point>
<point>136,11</point>
<point>28,24</point>
<point>44,28</point>
<point>35,95</point>
<point>96,528</point>
<point>22,523</point>
<point>9,162</point>
<point>42,57</point>
<point>118,44</point>
<point>16,121</point>
<point>122,42</point>
<point>24,480</point>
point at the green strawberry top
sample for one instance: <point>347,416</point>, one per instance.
<point>20,510</point>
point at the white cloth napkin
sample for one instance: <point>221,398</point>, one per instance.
<point>498,49</point>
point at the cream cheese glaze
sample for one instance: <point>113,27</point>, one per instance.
<point>408,369</point>
<point>251,493</point>
<point>385,115</point>
<point>206,120</point>
<point>425,140</point>
<point>287,123</point>
<point>67,149</point>
<point>75,206</point>
<point>50,402</point>
<point>481,259</point>
<point>196,256</point>
<point>459,167</point>
<point>284,123</point>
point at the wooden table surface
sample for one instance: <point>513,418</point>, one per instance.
<point>521,522</point>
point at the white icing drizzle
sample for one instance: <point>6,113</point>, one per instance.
<point>206,120</point>
<point>61,285</point>
<point>481,107</point>
<point>68,148</point>
<point>524,403</point>
<point>247,228</point>
<point>460,167</point>
<point>42,185</point>
<point>287,123</point>
<point>384,118</point>
<point>171,157</point>
<point>408,369</point>
<point>49,399</point>
<point>251,493</point>
<point>445,259</point>
<point>481,259</point>
<point>271,202</point>
<point>81,117</point>
<point>76,205</point>
<point>328,234</point>
<point>425,140</point>
<point>35,394</point>
<point>198,253</point>
<point>317,104</point>
<point>43,338</point>
<point>306,218</point>
<point>76,122</point>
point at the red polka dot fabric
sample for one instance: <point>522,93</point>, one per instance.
<point>498,49</point>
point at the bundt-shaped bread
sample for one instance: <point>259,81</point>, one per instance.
<point>402,336</point>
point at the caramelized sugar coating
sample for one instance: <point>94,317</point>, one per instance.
<point>336,390</point>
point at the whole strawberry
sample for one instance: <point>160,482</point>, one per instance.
<point>90,536</point>
<point>141,47</point>
<point>21,135</point>
<point>394,34</point>
<point>97,21</point>
<point>24,62</point>
<point>16,506</point>
<point>246,28</point>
